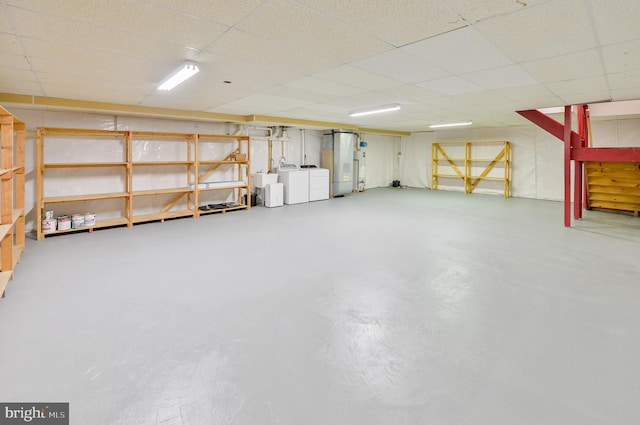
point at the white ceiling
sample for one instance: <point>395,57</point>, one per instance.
<point>441,60</point>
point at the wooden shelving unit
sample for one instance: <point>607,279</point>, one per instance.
<point>94,140</point>
<point>133,164</point>
<point>466,168</point>
<point>12,175</point>
<point>237,159</point>
<point>186,143</point>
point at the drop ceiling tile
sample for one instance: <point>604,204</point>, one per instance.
<point>227,68</point>
<point>576,87</point>
<point>625,94</point>
<point>589,97</point>
<point>309,30</point>
<point>260,100</point>
<point>573,66</point>
<point>13,81</point>
<point>401,66</point>
<point>411,93</point>
<point>459,52</point>
<point>16,62</point>
<point>616,21</point>
<point>140,18</point>
<point>501,78</point>
<point>451,86</point>
<point>622,56</point>
<point>355,77</point>
<point>397,23</point>
<point>226,12</point>
<point>525,92</point>
<point>476,10</point>
<point>239,44</point>
<point>546,30</point>
<point>94,38</point>
<point>9,44</point>
<point>293,93</point>
<point>622,80</point>
<point>5,26</point>
<point>324,86</point>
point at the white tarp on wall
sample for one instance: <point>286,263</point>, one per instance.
<point>537,157</point>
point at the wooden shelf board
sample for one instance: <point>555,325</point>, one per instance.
<point>161,191</point>
<point>107,222</point>
<point>5,277</point>
<point>162,216</point>
<point>17,252</point>
<point>223,162</point>
<point>182,137</point>
<point>221,137</point>
<point>85,164</point>
<point>239,207</point>
<point>449,176</point>
<point>152,163</point>
<point>243,186</point>
<point>4,229</point>
<point>17,213</point>
<point>50,131</point>
<point>90,197</point>
<point>488,178</point>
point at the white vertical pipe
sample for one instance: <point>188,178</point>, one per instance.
<point>304,152</point>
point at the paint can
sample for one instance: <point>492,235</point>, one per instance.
<point>48,215</point>
<point>89,219</point>
<point>64,222</point>
<point>49,225</point>
<point>77,221</point>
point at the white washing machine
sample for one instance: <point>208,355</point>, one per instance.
<point>318,184</point>
<point>273,195</point>
<point>295,182</point>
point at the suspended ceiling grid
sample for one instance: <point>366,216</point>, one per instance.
<point>441,60</point>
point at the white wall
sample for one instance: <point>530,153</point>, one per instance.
<point>73,181</point>
<point>537,157</point>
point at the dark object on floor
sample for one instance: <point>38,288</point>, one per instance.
<point>395,183</point>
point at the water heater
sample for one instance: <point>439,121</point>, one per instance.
<point>337,155</point>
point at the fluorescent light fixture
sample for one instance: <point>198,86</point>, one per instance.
<point>453,124</point>
<point>376,110</point>
<point>187,70</point>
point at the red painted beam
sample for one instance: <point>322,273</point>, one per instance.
<point>568,142</point>
<point>550,125</point>
<point>606,154</point>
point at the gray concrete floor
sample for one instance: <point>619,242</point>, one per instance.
<point>386,307</point>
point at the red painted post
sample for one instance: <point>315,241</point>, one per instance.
<point>585,144</point>
<point>567,166</point>
<point>577,167</point>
